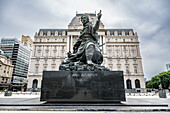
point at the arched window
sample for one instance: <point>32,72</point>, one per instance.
<point>137,83</point>
<point>128,83</point>
<point>35,83</point>
<point>135,69</point>
<point>127,70</point>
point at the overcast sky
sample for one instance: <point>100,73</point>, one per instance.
<point>149,18</point>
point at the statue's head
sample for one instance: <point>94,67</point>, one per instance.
<point>84,19</point>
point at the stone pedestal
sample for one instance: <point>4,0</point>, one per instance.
<point>82,86</point>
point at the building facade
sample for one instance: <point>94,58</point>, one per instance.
<point>6,69</point>
<point>20,56</point>
<point>120,50</point>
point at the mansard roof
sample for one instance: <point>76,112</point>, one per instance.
<point>120,31</point>
<point>51,30</point>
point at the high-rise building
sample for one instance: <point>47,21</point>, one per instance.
<point>6,69</point>
<point>120,50</point>
<point>20,55</point>
<point>27,41</point>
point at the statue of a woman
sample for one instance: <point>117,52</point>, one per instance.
<point>86,50</point>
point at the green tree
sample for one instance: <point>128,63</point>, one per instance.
<point>154,82</point>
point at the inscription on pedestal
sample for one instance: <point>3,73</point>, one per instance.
<point>82,86</point>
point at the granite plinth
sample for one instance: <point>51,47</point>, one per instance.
<point>82,86</point>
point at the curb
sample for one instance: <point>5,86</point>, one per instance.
<point>134,110</point>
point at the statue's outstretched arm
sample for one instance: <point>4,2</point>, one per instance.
<point>96,27</point>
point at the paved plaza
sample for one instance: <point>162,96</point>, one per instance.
<point>32,101</point>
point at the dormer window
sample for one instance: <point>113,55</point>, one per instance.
<point>130,33</point>
<point>116,33</point>
<point>41,33</point>
<point>63,33</point>
<point>48,33</point>
<point>108,33</point>
<point>56,33</point>
<point>123,33</point>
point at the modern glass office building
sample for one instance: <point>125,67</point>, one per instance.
<point>19,54</point>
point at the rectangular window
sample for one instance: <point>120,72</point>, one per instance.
<point>46,54</point>
<point>62,47</point>
<point>36,69</point>
<point>110,61</point>
<point>133,54</point>
<point>62,54</point>
<point>134,61</point>
<point>54,54</point>
<point>54,61</point>
<point>38,54</point>
<point>45,61</point>
<point>125,55</point>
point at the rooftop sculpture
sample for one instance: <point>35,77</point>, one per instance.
<point>86,54</point>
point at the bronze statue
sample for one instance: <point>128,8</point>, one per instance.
<point>86,54</point>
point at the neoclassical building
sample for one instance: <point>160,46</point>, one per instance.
<point>6,69</point>
<point>120,49</point>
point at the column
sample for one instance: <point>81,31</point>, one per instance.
<point>104,46</point>
<point>100,42</point>
<point>68,43</point>
<point>71,47</point>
